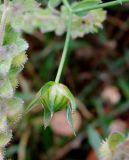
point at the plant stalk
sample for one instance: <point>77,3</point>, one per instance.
<point>101,5</point>
<point>65,50</point>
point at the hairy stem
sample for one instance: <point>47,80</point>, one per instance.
<point>3,21</point>
<point>65,50</point>
<point>101,5</point>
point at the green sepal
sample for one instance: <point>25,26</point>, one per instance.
<point>114,140</point>
<point>44,95</point>
<point>46,87</point>
<point>70,119</point>
<point>32,104</point>
<point>47,116</point>
<point>60,102</point>
<point>71,98</point>
<point>38,97</point>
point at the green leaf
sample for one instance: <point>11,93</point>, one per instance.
<point>70,119</point>
<point>5,132</point>
<point>94,138</point>
<point>39,96</point>
<point>53,3</point>
<point>120,1</point>
<point>6,90</point>
<point>5,137</point>
<point>114,140</point>
<point>14,110</point>
<point>86,4</point>
<point>4,67</point>
<point>32,104</point>
<point>71,98</point>
<point>47,116</point>
<point>14,40</point>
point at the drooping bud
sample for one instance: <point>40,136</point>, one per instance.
<point>55,97</point>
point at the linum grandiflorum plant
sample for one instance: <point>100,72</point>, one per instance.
<point>55,96</point>
<point>78,18</point>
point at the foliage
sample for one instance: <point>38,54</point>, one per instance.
<point>77,19</point>
<point>115,147</point>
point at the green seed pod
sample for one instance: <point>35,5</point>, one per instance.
<point>55,97</point>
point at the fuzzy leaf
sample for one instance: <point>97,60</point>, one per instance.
<point>14,109</point>
<point>114,140</point>
<point>4,67</point>
<point>5,133</point>
<point>5,137</point>
<point>6,90</point>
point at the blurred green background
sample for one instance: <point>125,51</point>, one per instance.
<point>96,71</point>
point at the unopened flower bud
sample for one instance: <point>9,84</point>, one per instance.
<point>55,97</point>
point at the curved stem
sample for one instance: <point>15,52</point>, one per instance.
<point>101,5</point>
<point>65,51</point>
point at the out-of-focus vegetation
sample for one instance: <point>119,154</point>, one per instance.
<point>97,72</point>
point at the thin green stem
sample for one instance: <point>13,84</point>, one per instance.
<point>67,5</point>
<point>65,51</point>
<point>3,21</point>
<point>101,5</point>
